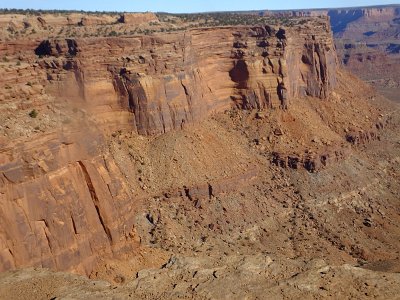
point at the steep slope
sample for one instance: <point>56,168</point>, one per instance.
<point>367,42</point>
<point>70,196</point>
<point>227,142</point>
<point>176,79</point>
<point>212,193</point>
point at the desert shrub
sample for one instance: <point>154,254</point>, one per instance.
<point>33,114</point>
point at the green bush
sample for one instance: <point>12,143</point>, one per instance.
<point>33,114</point>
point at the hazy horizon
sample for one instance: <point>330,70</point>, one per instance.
<point>175,6</point>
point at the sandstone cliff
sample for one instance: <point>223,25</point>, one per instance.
<point>171,80</point>
<point>94,166</point>
<point>65,201</point>
<point>138,18</point>
<point>342,18</point>
<point>366,40</point>
<point>245,149</point>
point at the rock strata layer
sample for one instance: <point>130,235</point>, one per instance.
<point>70,196</point>
<point>168,81</point>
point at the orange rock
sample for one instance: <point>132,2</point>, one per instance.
<point>138,18</point>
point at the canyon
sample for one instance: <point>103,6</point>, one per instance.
<point>367,42</point>
<point>369,47</point>
<point>145,150</point>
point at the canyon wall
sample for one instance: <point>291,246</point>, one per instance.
<point>64,201</point>
<point>168,81</point>
<point>49,21</point>
<point>341,19</point>
<point>367,42</point>
<point>348,22</point>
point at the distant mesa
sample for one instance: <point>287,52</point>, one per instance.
<point>138,18</point>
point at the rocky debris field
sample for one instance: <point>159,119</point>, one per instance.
<point>231,277</point>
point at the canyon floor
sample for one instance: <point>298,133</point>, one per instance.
<point>247,203</point>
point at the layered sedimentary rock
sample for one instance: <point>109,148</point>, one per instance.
<point>64,200</point>
<point>344,20</point>
<point>310,161</point>
<point>366,41</point>
<point>138,18</point>
<point>49,21</point>
<point>347,23</point>
<point>368,46</point>
<point>168,81</point>
<point>59,204</point>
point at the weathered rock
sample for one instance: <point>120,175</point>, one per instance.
<point>138,18</point>
<point>312,162</point>
<point>242,276</point>
<point>169,81</point>
<point>68,198</point>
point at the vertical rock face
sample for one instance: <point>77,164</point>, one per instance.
<point>168,81</point>
<point>63,202</point>
<point>313,63</point>
<point>138,18</point>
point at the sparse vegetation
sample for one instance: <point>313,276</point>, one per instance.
<point>167,23</point>
<point>33,114</point>
<point>216,19</point>
<point>39,12</point>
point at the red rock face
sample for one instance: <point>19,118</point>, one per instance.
<point>168,81</point>
<point>63,202</point>
<point>366,40</point>
<point>60,208</point>
<point>138,18</point>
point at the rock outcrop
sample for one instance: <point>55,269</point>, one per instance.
<point>344,20</point>
<point>242,276</point>
<point>176,79</point>
<point>312,162</point>
<point>366,41</point>
<point>93,164</point>
<point>245,149</point>
<point>64,200</point>
<point>138,18</point>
